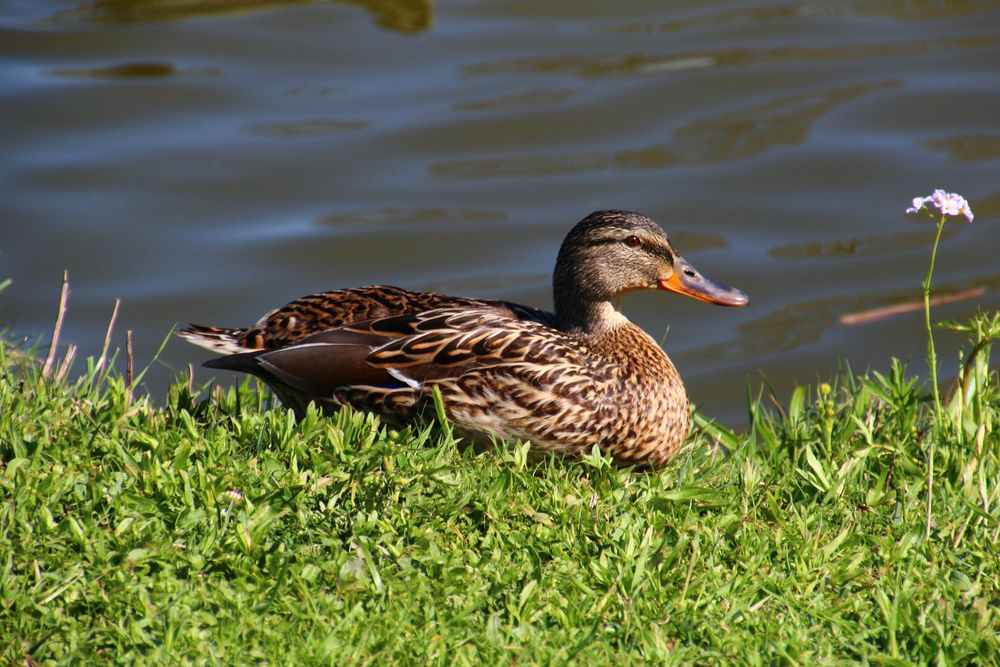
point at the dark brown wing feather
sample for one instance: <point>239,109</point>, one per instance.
<point>309,315</point>
<point>315,366</point>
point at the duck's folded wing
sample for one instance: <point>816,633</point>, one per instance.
<point>403,352</point>
<point>316,366</point>
<point>447,343</point>
<point>316,313</point>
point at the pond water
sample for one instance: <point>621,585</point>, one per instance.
<point>207,160</point>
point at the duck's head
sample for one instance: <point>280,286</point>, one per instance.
<point>611,253</point>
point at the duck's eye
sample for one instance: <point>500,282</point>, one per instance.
<point>632,241</point>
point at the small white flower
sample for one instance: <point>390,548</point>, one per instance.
<point>918,203</point>
<point>949,203</point>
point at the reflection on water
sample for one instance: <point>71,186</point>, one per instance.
<point>584,67</point>
<point>688,242</point>
<point>865,246</point>
<point>968,147</point>
<point>407,16</point>
<point>305,128</point>
<point>988,206</point>
<point>786,328</point>
<point>799,325</point>
<point>784,121</point>
<point>142,11</point>
<point>143,70</point>
<point>519,100</point>
<point>387,219</point>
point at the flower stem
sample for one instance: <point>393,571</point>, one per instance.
<point>931,354</point>
<point>932,368</point>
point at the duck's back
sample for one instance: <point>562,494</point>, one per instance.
<point>315,313</point>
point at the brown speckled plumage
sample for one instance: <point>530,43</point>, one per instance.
<point>566,381</point>
<point>327,310</point>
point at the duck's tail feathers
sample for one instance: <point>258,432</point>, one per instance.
<point>222,340</point>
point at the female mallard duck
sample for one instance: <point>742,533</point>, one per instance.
<point>566,381</point>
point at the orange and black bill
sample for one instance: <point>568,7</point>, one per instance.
<point>689,282</point>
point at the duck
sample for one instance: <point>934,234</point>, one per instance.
<point>563,380</point>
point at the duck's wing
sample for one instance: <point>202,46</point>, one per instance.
<point>388,364</point>
<point>315,313</point>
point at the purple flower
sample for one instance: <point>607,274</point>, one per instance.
<point>918,203</point>
<point>949,203</point>
<point>233,495</point>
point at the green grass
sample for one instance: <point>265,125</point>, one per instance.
<point>801,541</point>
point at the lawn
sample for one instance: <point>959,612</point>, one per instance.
<point>214,528</point>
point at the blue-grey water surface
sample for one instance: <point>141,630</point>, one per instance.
<point>207,160</point>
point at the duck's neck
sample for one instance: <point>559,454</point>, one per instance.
<point>587,317</point>
<point>582,301</point>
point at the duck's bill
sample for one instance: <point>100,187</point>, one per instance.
<point>689,282</point>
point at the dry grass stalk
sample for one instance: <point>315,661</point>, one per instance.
<point>128,367</point>
<point>50,359</point>
<point>66,363</point>
<point>107,342</point>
